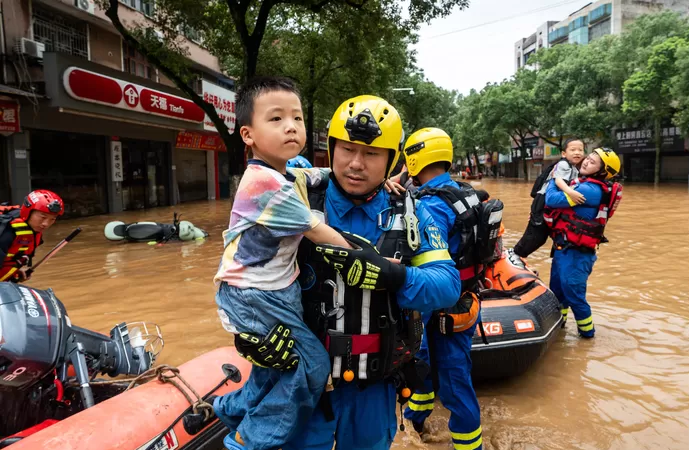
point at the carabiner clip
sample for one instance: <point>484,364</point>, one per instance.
<point>390,221</point>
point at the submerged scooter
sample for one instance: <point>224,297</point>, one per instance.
<point>154,231</point>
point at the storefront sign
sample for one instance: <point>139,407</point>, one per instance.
<point>9,117</point>
<point>224,102</point>
<point>200,141</point>
<point>538,152</point>
<point>116,155</point>
<point>639,141</point>
<point>93,87</point>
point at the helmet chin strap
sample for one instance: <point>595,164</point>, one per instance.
<point>359,197</point>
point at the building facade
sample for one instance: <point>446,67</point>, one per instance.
<point>94,120</point>
<point>589,23</point>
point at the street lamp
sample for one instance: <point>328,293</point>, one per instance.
<point>411,90</point>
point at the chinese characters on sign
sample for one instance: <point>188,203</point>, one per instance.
<point>116,153</point>
<point>638,141</point>
<point>224,102</point>
<point>9,117</point>
<point>199,141</point>
<point>93,87</point>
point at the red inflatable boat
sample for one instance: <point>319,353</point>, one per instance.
<point>50,397</point>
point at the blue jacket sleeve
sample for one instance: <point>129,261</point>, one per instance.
<point>555,198</point>
<point>432,281</point>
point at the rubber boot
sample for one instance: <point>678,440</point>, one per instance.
<point>418,427</point>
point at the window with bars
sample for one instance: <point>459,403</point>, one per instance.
<point>60,34</point>
<point>137,64</point>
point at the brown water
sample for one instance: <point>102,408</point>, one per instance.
<point>626,389</point>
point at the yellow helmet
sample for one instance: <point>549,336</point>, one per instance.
<point>370,121</point>
<point>611,162</point>
<point>427,146</point>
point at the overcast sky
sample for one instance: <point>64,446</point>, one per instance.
<point>484,53</point>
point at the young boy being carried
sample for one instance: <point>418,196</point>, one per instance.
<point>564,171</point>
<point>258,291</point>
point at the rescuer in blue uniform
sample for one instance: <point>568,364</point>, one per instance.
<point>428,154</point>
<point>362,304</point>
<point>578,229</point>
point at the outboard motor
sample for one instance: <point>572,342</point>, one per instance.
<point>38,342</point>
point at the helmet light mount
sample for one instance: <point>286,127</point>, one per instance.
<point>363,127</point>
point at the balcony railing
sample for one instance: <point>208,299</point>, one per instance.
<point>600,13</point>
<point>60,34</point>
<point>578,23</point>
<point>558,35</point>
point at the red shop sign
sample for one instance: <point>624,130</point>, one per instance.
<point>9,117</point>
<point>199,141</point>
<point>93,87</point>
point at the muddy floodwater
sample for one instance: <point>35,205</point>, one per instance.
<point>626,389</point>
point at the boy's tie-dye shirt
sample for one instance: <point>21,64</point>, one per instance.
<point>269,215</point>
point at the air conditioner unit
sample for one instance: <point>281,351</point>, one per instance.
<point>30,48</point>
<point>86,5</point>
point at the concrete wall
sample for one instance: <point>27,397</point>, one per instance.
<point>133,18</point>
<point>106,48</point>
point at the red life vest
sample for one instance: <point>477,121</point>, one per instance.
<point>24,244</point>
<point>579,232</point>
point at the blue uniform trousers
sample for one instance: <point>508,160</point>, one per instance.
<point>568,277</point>
<point>455,390</point>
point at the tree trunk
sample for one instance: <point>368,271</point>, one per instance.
<point>251,60</point>
<point>659,143</point>
<point>478,165</point>
<point>526,168</point>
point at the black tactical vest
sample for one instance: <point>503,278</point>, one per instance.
<point>364,331</point>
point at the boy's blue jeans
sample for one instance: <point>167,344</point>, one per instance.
<point>273,405</point>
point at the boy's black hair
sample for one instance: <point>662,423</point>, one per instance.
<point>247,94</point>
<point>569,141</point>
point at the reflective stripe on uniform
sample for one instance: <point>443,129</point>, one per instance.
<point>467,441</point>
<point>8,274</point>
<point>569,200</point>
<point>19,225</point>
<point>417,407</point>
<point>467,436</point>
<point>423,397</point>
<point>22,233</point>
<point>422,402</point>
<point>472,446</point>
<point>430,256</point>
<point>585,324</point>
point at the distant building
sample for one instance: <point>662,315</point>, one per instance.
<point>590,23</point>
<point>525,47</point>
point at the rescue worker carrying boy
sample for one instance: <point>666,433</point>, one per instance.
<point>577,230</point>
<point>21,228</point>
<point>363,306</point>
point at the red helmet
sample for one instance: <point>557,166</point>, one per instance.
<point>44,201</point>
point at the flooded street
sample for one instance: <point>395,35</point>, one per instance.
<point>626,389</point>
